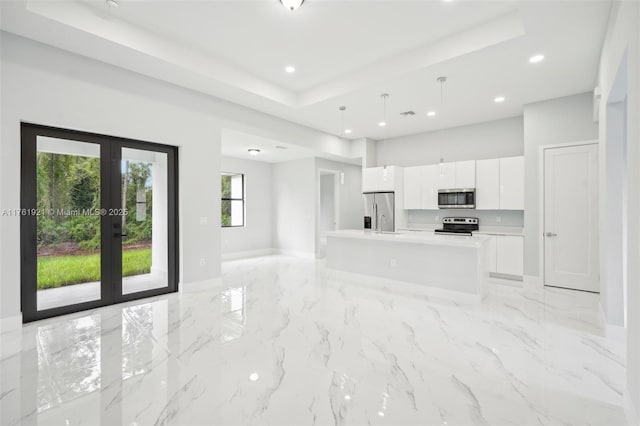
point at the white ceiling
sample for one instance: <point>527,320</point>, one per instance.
<point>237,144</point>
<point>323,39</point>
<point>345,52</point>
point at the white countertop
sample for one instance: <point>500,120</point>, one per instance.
<point>412,237</point>
<point>484,230</point>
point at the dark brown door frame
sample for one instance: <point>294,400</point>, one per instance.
<point>111,255</point>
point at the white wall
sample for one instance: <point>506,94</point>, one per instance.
<point>365,149</point>
<point>44,85</point>
<point>612,218</point>
<point>328,216</point>
<point>623,38</point>
<point>257,234</point>
<point>294,198</point>
<point>493,139</point>
<point>557,121</point>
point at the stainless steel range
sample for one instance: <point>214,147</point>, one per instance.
<point>458,226</point>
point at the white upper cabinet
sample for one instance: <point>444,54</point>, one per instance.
<point>512,183</point>
<point>421,183</point>
<point>413,187</point>
<point>446,177</point>
<point>488,184</point>
<point>500,184</point>
<point>379,178</point>
<point>430,181</point>
<point>465,174</point>
<point>387,178</point>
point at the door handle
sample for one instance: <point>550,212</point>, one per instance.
<point>550,234</point>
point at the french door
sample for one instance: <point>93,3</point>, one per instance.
<point>98,221</point>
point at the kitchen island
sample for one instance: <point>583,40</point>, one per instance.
<point>450,262</point>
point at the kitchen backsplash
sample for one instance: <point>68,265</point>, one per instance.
<point>511,218</point>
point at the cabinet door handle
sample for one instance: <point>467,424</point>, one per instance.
<point>550,234</point>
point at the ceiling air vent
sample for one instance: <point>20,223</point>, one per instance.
<point>407,113</point>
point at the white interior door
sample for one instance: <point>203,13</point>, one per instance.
<point>571,217</point>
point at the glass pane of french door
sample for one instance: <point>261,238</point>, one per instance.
<point>145,240</point>
<point>68,256</point>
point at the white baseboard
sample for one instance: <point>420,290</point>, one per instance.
<point>504,279</point>
<point>10,324</point>
<point>631,410</point>
<point>196,286</point>
<point>295,253</point>
<point>247,254</point>
<point>532,281</point>
<point>614,331</point>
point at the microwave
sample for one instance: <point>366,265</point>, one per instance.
<point>457,198</point>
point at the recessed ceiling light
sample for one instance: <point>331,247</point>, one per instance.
<point>347,397</point>
<point>112,3</point>
<point>536,58</point>
<point>431,114</point>
<point>498,99</point>
<point>254,377</point>
<point>382,123</point>
<point>253,151</point>
<point>292,4</point>
<point>347,131</point>
<point>290,69</point>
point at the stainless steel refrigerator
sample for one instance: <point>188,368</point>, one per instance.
<point>379,211</point>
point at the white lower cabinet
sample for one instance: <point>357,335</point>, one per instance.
<point>506,254</point>
<point>510,255</point>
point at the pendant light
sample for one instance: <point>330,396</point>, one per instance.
<point>384,97</point>
<point>292,4</point>
<point>441,80</point>
<point>344,129</point>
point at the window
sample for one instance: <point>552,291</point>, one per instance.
<point>232,213</point>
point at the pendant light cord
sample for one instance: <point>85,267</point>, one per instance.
<point>441,80</point>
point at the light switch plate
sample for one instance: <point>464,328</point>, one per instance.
<point>204,220</point>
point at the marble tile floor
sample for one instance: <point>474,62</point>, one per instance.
<point>282,341</point>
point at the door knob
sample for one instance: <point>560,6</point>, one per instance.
<point>550,234</point>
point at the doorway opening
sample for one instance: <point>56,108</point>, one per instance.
<point>329,207</point>
<point>100,220</point>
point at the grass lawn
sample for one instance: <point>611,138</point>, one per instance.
<point>58,271</point>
